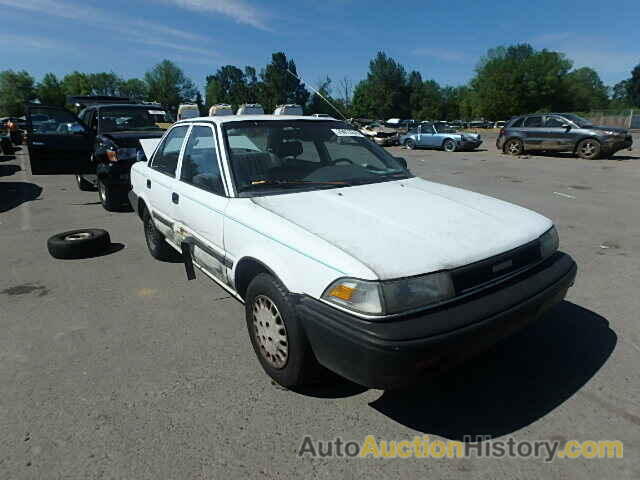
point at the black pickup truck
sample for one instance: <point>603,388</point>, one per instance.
<point>98,145</point>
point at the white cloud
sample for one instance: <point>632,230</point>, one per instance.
<point>239,10</point>
<point>140,31</point>
<point>29,42</point>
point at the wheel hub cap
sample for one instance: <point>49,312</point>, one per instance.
<point>270,332</point>
<point>77,236</point>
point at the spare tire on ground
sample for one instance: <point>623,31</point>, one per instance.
<point>88,242</point>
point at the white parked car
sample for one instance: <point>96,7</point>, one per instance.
<point>188,110</point>
<point>343,258</point>
<point>250,109</point>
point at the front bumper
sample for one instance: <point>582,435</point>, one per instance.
<point>616,144</point>
<point>469,144</point>
<point>385,141</point>
<point>397,352</point>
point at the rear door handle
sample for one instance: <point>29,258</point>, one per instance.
<point>148,183</point>
<point>175,198</point>
<point>38,144</point>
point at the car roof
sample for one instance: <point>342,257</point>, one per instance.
<point>249,118</point>
<point>127,105</point>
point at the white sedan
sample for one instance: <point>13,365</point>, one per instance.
<point>344,260</point>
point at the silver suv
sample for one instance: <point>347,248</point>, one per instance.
<point>562,132</point>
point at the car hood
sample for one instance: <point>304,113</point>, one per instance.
<point>409,227</point>
<point>610,129</point>
<point>131,139</point>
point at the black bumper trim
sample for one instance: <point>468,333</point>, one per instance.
<point>162,220</point>
<point>389,354</point>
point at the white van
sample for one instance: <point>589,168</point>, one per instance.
<point>220,110</point>
<point>188,110</point>
<point>289,109</point>
<point>250,109</point>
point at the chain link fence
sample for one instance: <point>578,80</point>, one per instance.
<point>614,118</point>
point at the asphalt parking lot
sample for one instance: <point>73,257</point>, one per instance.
<point>117,367</point>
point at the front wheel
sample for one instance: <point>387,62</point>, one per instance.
<point>589,149</point>
<point>84,184</point>
<point>410,144</point>
<point>158,248</point>
<point>276,333</point>
<point>449,145</point>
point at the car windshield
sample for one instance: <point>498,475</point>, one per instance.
<point>133,119</point>
<point>443,128</point>
<point>579,121</point>
<point>276,156</point>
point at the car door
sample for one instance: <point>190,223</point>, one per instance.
<point>202,201</point>
<point>425,136</point>
<point>533,132</point>
<point>161,184</point>
<point>559,133</point>
<point>57,141</point>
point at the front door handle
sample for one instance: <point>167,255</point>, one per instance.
<point>148,183</point>
<point>175,198</point>
<point>38,144</point>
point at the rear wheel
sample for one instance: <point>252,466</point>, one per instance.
<point>514,147</point>
<point>276,333</point>
<point>410,144</point>
<point>449,145</point>
<point>589,149</point>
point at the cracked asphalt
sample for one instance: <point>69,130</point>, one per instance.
<point>117,367</point>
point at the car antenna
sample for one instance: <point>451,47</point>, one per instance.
<point>320,95</point>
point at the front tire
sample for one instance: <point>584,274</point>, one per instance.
<point>449,145</point>
<point>410,144</point>
<point>158,247</point>
<point>111,200</point>
<point>589,149</point>
<point>84,184</point>
<point>276,333</point>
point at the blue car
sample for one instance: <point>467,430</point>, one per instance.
<point>429,135</point>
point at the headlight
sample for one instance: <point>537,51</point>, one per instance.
<point>390,297</point>
<point>549,243</point>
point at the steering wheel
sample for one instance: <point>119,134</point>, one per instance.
<point>342,160</point>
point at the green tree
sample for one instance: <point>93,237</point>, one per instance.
<point>104,83</point>
<point>134,88</point>
<point>227,85</point>
<point>317,104</point>
<point>518,79</point>
<point>16,88</point>
<point>384,92</point>
<point>76,83</point>
<point>50,91</point>
<point>586,90</point>
<point>168,85</point>
<point>253,84</point>
<point>279,86</point>
<point>634,86</point>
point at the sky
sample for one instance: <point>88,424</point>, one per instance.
<point>441,39</point>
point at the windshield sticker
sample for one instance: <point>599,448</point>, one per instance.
<point>157,112</point>
<point>343,132</point>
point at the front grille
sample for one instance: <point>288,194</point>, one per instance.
<point>492,269</point>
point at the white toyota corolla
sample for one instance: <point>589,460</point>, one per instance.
<point>343,258</point>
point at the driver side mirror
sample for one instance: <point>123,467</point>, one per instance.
<point>402,162</point>
<point>566,126</point>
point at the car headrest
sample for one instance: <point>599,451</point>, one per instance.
<point>290,149</point>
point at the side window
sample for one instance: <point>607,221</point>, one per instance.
<point>533,122</point>
<point>554,122</point>
<point>517,123</point>
<point>90,120</point>
<point>309,152</point>
<point>200,161</point>
<point>166,158</point>
<point>49,121</point>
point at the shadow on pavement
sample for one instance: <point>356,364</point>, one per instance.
<point>8,170</point>
<point>113,248</point>
<point>6,158</point>
<point>519,381</point>
<point>14,194</point>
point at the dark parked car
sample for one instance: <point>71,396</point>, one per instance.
<point>98,145</point>
<point>562,132</point>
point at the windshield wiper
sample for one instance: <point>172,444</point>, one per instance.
<point>290,183</point>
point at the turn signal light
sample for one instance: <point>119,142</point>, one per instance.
<point>342,291</point>
<point>112,156</point>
